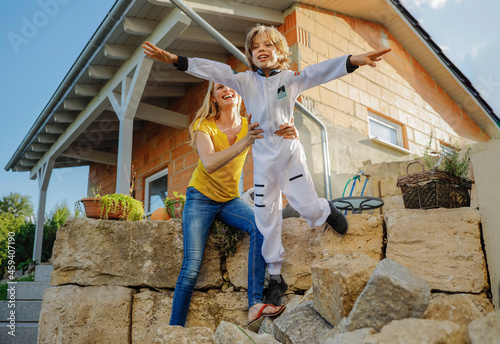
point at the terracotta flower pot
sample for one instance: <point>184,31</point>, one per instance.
<point>93,209</point>
<point>160,214</point>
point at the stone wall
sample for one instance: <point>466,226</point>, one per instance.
<point>113,282</point>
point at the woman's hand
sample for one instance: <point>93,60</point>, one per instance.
<point>369,58</point>
<point>288,131</point>
<point>253,132</point>
<point>159,54</point>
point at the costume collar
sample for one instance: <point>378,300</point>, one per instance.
<point>273,72</point>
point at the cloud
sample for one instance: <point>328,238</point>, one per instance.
<point>434,4</point>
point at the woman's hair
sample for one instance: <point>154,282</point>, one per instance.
<point>276,38</point>
<point>208,109</point>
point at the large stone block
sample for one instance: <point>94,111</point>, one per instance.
<point>304,245</point>
<point>228,333</point>
<point>301,326</point>
<point>142,253</point>
<point>485,330</point>
<point>337,281</point>
<point>181,335</point>
<point>458,308</point>
<point>152,310</point>
<point>443,246</point>
<point>392,293</point>
<point>72,314</point>
<point>418,331</point>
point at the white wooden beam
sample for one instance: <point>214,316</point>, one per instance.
<point>33,155</point>
<point>74,104</point>
<point>101,72</point>
<point>230,9</point>
<point>172,75</point>
<point>63,117</point>
<point>164,92</point>
<point>40,147</point>
<point>140,27</point>
<point>161,116</point>
<point>118,52</point>
<point>91,155</point>
<point>197,34</point>
<point>27,162</point>
<point>47,138</point>
<point>86,90</point>
<point>209,56</point>
<point>55,128</point>
<point>43,175</point>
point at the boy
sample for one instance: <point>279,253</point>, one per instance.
<point>269,91</point>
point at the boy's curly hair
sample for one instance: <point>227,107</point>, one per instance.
<point>276,37</point>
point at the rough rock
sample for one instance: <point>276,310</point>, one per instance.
<point>458,308</point>
<point>418,331</point>
<point>443,246</point>
<point>73,314</point>
<point>304,245</point>
<point>181,335</point>
<point>228,333</point>
<point>337,281</point>
<point>142,253</point>
<point>354,337</point>
<point>152,310</point>
<point>302,326</point>
<point>392,293</point>
<point>485,330</point>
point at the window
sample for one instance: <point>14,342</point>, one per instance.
<point>386,130</point>
<point>156,191</point>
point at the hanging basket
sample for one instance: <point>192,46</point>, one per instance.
<point>433,189</point>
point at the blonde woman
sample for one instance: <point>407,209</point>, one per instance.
<point>222,137</point>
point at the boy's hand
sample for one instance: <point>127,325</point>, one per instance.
<point>288,131</point>
<point>159,54</point>
<point>369,58</point>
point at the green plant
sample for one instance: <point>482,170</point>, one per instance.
<point>449,160</point>
<point>133,210</point>
<point>174,205</point>
<point>225,238</point>
<point>25,265</point>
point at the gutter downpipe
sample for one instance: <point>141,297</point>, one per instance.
<point>240,56</point>
<point>81,64</point>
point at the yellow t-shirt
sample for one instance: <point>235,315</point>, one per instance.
<point>221,185</point>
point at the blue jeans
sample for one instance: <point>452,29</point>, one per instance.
<point>198,215</point>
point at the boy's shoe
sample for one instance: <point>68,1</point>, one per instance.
<point>275,291</point>
<point>337,220</point>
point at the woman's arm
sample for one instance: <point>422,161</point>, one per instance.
<point>211,160</point>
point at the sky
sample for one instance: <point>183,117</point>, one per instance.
<point>40,41</point>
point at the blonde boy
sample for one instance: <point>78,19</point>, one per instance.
<point>269,91</point>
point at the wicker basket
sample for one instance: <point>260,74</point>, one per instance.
<point>434,189</point>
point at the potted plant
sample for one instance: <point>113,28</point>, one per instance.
<point>114,206</point>
<point>443,184</point>
<point>175,205</point>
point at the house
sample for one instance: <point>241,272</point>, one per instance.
<point>125,115</point>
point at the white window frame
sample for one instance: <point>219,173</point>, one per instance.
<point>148,180</point>
<point>398,128</point>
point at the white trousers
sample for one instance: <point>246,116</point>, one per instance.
<point>282,168</point>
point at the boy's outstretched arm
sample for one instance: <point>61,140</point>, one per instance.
<point>159,54</point>
<point>369,58</point>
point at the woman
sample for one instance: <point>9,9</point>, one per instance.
<point>222,138</point>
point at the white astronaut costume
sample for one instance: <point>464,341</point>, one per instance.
<point>279,164</point>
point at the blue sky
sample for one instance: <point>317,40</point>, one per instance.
<point>40,41</point>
